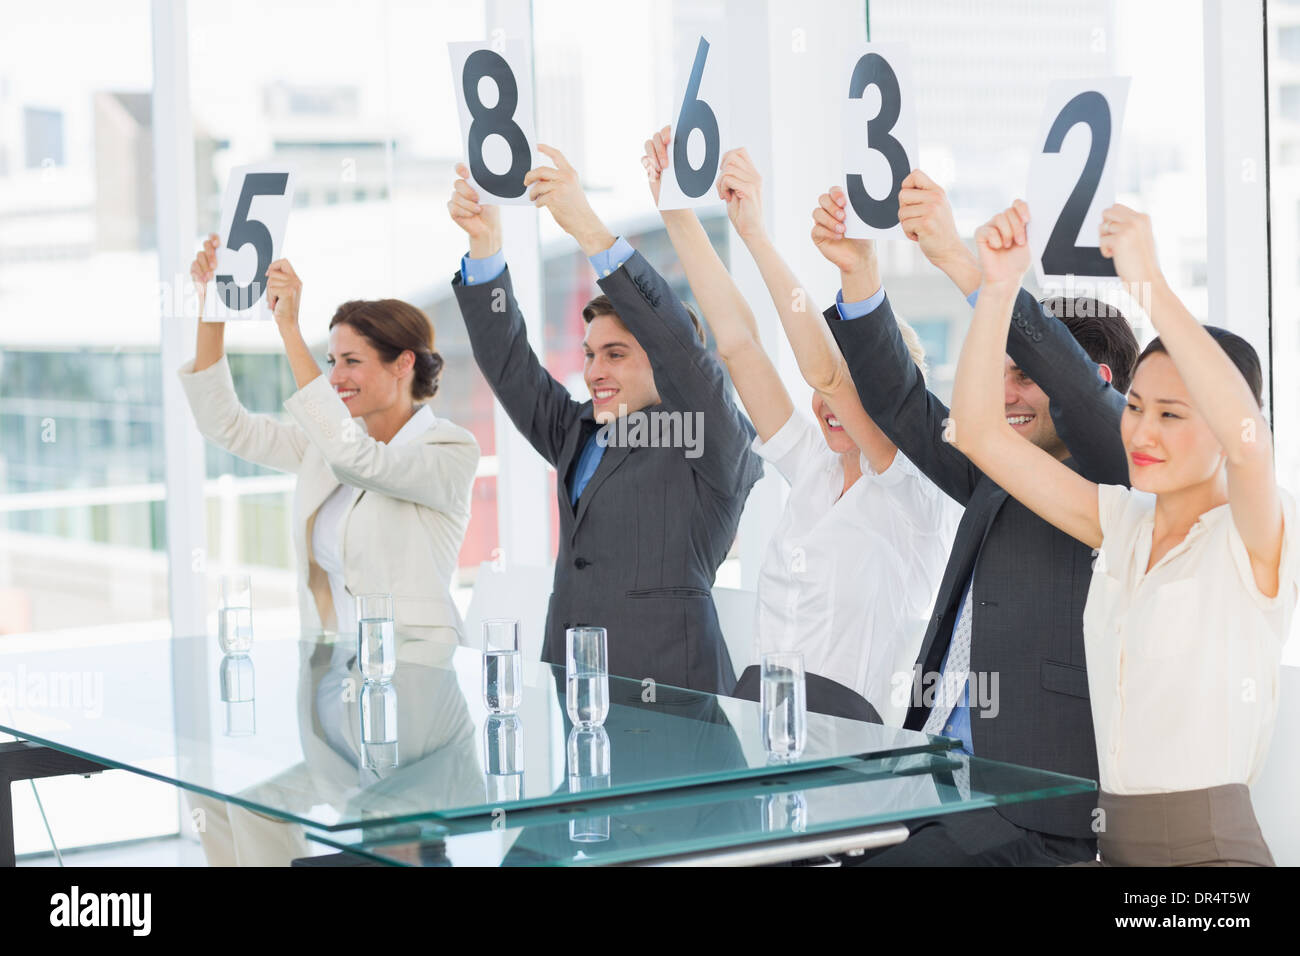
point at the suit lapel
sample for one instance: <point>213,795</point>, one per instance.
<point>614,456</point>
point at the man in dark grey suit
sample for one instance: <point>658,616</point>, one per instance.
<point>643,527</point>
<point>1010,604</point>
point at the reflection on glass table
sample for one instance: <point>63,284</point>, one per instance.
<point>309,742</point>
<point>779,816</point>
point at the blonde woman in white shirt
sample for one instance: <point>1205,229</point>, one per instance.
<point>383,494</point>
<point>1196,577</point>
<point>850,573</point>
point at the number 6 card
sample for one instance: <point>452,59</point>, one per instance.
<point>494,94</point>
<point>254,214</point>
<point>699,131</point>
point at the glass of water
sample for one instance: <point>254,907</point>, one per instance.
<point>783,697</point>
<point>376,641</point>
<point>586,672</point>
<point>503,667</point>
<point>589,770</point>
<point>235,614</point>
<point>378,704</point>
<point>503,758</point>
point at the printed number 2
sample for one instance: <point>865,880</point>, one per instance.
<point>244,231</point>
<point>696,114</point>
<point>497,120</point>
<point>1062,256</point>
<point>874,70</point>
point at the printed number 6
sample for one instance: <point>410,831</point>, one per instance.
<point>696,114</point>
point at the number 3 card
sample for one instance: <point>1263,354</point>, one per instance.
<point>494,94</point>
<point>254,214</point>
<point>699,131</point>
<point>879,124</point>
<point>1072,178</point>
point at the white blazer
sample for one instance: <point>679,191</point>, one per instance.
<point>403,529</point>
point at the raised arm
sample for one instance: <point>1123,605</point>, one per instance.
<point>725,309</point>
<point>891,387</point>
<point>1218,391</point>
<point>1029,474</point>
<point>210,391</point>
<point>686,375</point>
<point>539,406</point>
<point>1085,410</point>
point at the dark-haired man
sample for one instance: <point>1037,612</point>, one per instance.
<point>1001,666</point>
<point>653,471</point>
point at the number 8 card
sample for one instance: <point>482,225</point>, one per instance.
<point>254,214</point>
<point>494,95</point>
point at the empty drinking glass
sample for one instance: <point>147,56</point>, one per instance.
<point>503,667</point>
<point>586,672</point>
<point>784,705</point>
<point>376,641</point>
<point>235,614</point>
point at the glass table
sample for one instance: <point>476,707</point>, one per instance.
<point>291,732</point>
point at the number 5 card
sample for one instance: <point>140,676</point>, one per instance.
<point>879,124</point>
<point>254,214</point>
<point>1072,178</point>
<point>699,131</point>
<point>494,94</point>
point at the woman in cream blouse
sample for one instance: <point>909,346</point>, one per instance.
<point>383,493</point>
<point>1196,576</point>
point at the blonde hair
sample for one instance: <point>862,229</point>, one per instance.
<point>913,343</point>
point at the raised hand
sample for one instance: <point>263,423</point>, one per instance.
<point>926,217</point>
<point>559,190</point>
<point>204,267</point>
<point>1004,245</point>
<point>481,222</point>
<point>283,292</point>
<point>740,186</point>
<point>655,159</point>
<point>850,255</point>
<point>1126,237</point>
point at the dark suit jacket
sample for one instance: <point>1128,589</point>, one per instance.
<point>1031,580</point>
<point>639,553</point>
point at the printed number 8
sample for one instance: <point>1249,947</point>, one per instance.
<point>498,120</point>
<point>874,70</point>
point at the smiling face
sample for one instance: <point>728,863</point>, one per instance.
<point>1169,444</point>
<point>362,379</point>
<point>837,439</point>
<point>1027,411</point>
<point>617,370</point>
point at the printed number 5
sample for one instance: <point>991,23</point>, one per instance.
<point>243,231</point>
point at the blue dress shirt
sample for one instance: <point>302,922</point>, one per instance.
<point>856,310</point>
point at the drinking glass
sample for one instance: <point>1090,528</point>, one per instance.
<point>586,671</point>
<point>503,667</point>
<point>376,641</point>
<point>235,614</point>
<point>378,725</point>
<point>503,758</point>
<point>783,697</point>
<point>589,770</point>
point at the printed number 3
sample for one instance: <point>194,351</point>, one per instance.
<point>874,70</point>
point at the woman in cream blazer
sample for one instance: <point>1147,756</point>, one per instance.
<point>383,493</point>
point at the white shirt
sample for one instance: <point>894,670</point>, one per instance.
<point>327,532</point>
<point>1182,659</point>
<point>849,581</point>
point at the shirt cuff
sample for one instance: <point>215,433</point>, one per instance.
<point>612,258</point>
<point>973,298</point>
<point>479,271</point>
<point>856,310</point>
<point>783,440</point>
